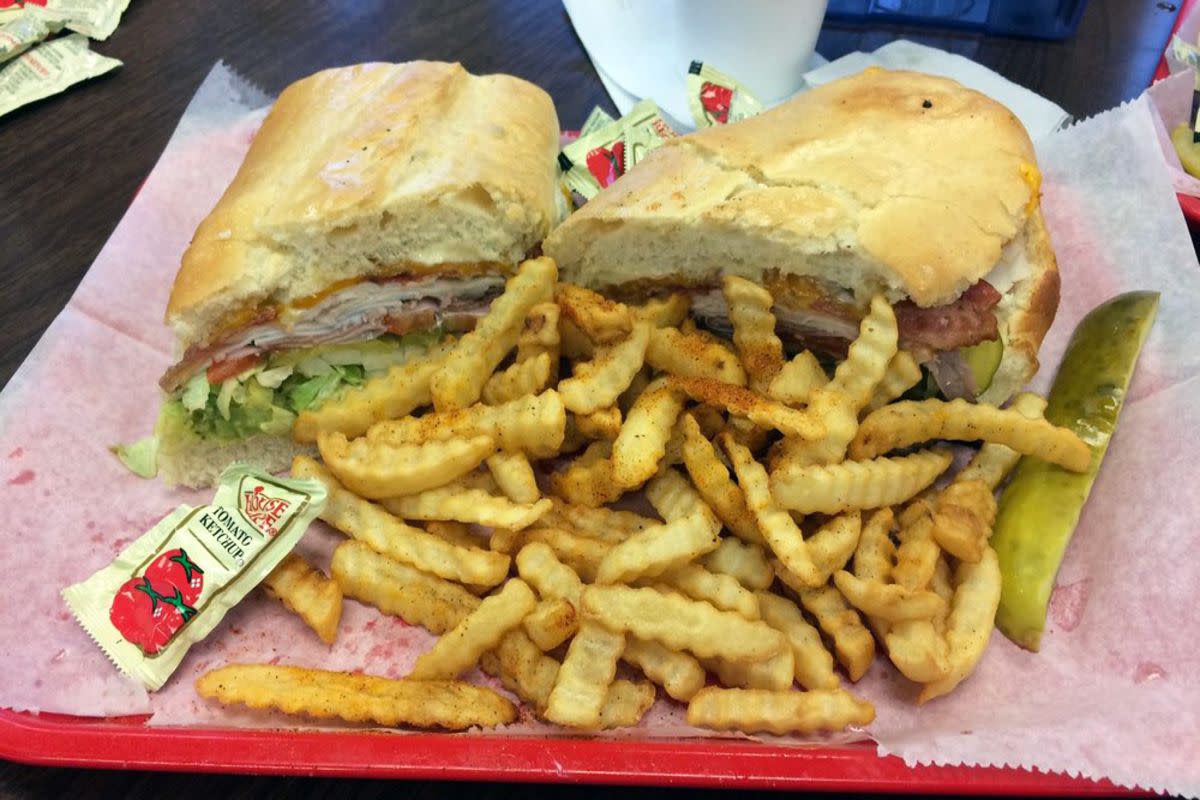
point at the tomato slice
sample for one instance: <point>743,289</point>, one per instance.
<point>231,367</point>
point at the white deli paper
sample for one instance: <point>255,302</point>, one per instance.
<point>1114,693</point>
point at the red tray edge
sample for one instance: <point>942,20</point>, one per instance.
<point>57,740</point>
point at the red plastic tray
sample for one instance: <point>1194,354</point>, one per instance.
<point>1189,204</point>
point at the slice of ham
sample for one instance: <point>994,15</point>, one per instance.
<point>358,313</point>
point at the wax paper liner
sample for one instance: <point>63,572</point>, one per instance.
<point>1113,694</point>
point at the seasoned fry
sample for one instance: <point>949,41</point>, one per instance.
<point>888,601</point>
<point>363,520</point>
<point>797,379</point>
<point>962,523</point>
<point>308,594</point>
<point>856,484</point>
<point>902,374</point>
<point>918,650</point>
<point>833,543</point>
<point>598,383</point>
<point>693,355</point>
<point>416,597</point>
<point>672,496</point>
<point>317,693</point>
<point>602,424</point>
<point>656,550</point>
<point>588,480</point>
<point>505,540</point>
<point>778,528</point>
<point>775,673</point>
<point>778,712</point>
<point>760,410</point>
<point>587,671</point>
<point>375,469</point>
<point>551,623</point>
<point>678,673</point>
<point>910,422</point>
<point>969,626</point>
<point>539,335</point>
<point>626,703</point>
<point>812,663</point>
<point>460,381</point>
<point>840,418</point>
<point>758,347</point>
<point>873,557</point>
<point>642,442</point>
<point>723,591</point>
<point>632,392</point>
<point>598,523</point>
<point>574,343</point>
<point>667,311</point>
<point>518,380</point>
<point>746,563</point>
<point>681,624</point>
<point>524,670</point>
<point>467,505</point>
<point>602,320</point>
<point>581,553</point>
<point>514,475</point>
<point>459,649</point>
<point>853,645</point>
<point>534,425</point>
<point>538,566</point>
<point>454,532</point>
<point>714,484</point>
<point>917,554</point>
<point>993,462</point>
<point>869,355</point>
<point>399,391</point>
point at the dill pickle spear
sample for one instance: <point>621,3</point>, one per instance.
<point>1040,507</point>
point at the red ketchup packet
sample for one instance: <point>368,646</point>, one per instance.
<point>605,151</point>
<point>717,99</point>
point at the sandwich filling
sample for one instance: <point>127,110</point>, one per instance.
<point>285,359</point>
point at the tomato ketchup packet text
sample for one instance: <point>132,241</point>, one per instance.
<point>170,587</point>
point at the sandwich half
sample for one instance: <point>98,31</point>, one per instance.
<point>379,208</point>
<point>898,183</point>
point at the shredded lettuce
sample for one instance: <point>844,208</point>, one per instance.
<point>195,393</point>
<point>140,458</point>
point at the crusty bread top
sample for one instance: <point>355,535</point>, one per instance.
<point>885,181</point>
<point>374,169</point>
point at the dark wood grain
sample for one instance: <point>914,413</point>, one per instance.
<point>70,165</point>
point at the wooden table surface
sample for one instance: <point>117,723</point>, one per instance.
<point>69,166</point>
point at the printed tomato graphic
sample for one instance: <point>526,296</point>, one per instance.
<point>716,100</point>
<point>147,618</point>
<point>606,165</point>
<point>173,569</point>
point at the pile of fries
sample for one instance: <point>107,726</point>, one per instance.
<point>787,542</point>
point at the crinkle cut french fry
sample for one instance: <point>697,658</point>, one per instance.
<point>581,553</point>
<point>534,425</point>
<point>642,441</point>
<point>775,673</point>
<point>574,343</point>
<point>467,368</point>
<point>551,623</point>
<point>917,554</point>
<point>783,535</point>
<point>416,597</point>
<point>598,383</point>
<point>713,483</point>
<point>539,335</point>
<point>538,565</point>
<point>524,670</point>
<point>778,712</point>
<point>918,650</point>
<point>672,496</point>
<point>869,355</point>
<point>853,645</point>
<point>480,631</point>
<point>367,522</point>
<point>586,673</point>
<point>678,673</point>
<point>873,557</point>
<point>758,347</point>
<point>837,413</point>
<point>969,626</point>
<point>375,469</point>
<point>911,422</point>
<point>307,593</point>
<point>354,697</point>
<point>834,488</point>
<point>797,379</point>
<point>602,320</point>
<point>521,378</point>
<point>723,591</point>
<point>888,601</point>
<point>656,550</point>
<point>668,311</point>
<point>757,408</point>
<point>902,374</point>
<point>397,392</point>
<point>813,664</point>
<point>680,623</point>
<point>832,545</point>
<point>962,523</point>
<point>626,703</point>
<point>604,523</point>
<point>514,475</point>
<point>467,505</point>
<point>693,355</point>
<point>993,462</point>
<point>588,480</point>
<point>746,563</point>
<point>455,532</point>
<point>602,424</point>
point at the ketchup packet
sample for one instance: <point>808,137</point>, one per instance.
<point>21,33</point>
<point>171,587</point>
<point>48,69</point>
<point>96,19</point>
<point>595,121</point>
<point>714,98</point>
<point>608,151</point>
